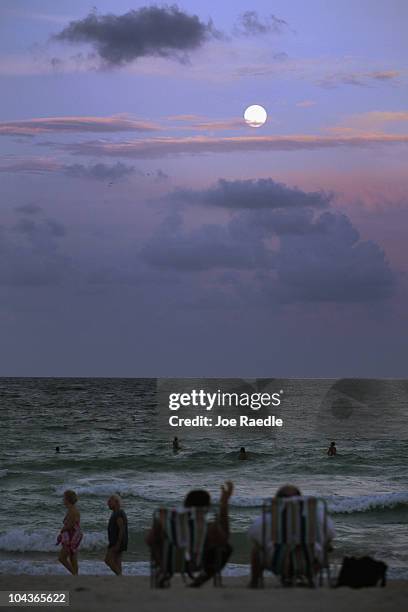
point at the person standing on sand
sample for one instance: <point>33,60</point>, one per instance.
<point>332,451</point>
<point>70,535</point>
<point>117,535</point>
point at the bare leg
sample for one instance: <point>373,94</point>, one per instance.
<point>214,558</point>
<point>114,561</point>
<point>119,565</point>
<point>63,558</point>
<point>74,563</point>
<point>256,569</point>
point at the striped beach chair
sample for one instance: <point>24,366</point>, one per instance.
<point>292,528</point>
<point>183,534</point>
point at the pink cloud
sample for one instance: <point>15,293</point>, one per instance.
<point>165,146</point>
<point>378,117</point>
<point>185,117</point>
<point>32,165</point>
<point>361,79</point>
<point>226,124</point>
<point>366,123</point>
<point>306,103</point>
<point>115,123</point>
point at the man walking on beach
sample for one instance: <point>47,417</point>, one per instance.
<point>117,534</point>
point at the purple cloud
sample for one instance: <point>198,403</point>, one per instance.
<point>115,123</point>
<point>170,146</point>
<point>287,251</point>
<point>251,24</point>
<point>149,31</point>
<point>251,194</point>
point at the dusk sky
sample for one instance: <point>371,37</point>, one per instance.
<point>146,230</point>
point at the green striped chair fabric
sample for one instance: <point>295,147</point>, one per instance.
<point>295,527</point>
<point>184,532</point>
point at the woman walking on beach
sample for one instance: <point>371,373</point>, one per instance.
<point>70,535</point>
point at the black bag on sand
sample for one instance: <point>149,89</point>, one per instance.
<point>362,572</point>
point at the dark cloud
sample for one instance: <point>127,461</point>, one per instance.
<point>280,56</point>
<point>111,173</point>
<point>100,172</point>
<point>251,24</point>
<point>149,31</point>
<point>56,63</point>
<point>285,249</point>
<point>46,229</point>
<point>29,209</point>
<point>55,228</point>
<point>332,264</point>
<point>30,251</point>
<point>207,247</point>
<point>26,226</point>
<point>292,220</point>
<point>80,61</point>
<point>160,176</point>
<point>253,194</point>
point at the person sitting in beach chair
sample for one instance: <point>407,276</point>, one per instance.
<point>185,540</point>
<point>292,538</point>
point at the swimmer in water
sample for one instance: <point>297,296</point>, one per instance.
<point>332,451</point>
<point>242,454</point>
<point>176,445</point>
<point>57,449</point>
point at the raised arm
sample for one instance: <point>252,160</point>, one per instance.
<point>227,490</point>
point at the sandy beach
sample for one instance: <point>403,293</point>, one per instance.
<point>123,594</point>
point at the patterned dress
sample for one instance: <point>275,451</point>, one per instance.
<point>71,539</point>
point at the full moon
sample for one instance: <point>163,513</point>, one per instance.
<point>255,115</point>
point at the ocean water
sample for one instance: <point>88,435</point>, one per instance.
<point>113,438</point>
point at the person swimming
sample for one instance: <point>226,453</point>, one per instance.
<point>176,445</point>
<point>242,454</point>
<point>332,450</point>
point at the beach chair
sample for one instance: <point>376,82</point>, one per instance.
<point>181,547</point>
<point>292,528</point>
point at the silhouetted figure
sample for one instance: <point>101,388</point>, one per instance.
<point>57,449</point>
<point>176,445</point>
<point>242,454</point>
<point>332,451</point>
<point>217,548</point>
<point>117,534</point>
